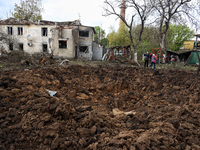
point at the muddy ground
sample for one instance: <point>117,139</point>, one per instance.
<point>99,107</point>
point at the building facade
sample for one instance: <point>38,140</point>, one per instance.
<point>63,39</point>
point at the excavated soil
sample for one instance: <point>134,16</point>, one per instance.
<point>99,108</point>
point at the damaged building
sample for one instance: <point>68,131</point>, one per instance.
<point>64,39</point>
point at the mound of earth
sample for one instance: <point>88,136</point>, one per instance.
<point>99,108</point>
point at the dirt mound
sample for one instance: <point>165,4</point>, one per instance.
<point>99,108</point>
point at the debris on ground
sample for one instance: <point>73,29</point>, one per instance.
<point>66,61</point>
<point>164,106</point>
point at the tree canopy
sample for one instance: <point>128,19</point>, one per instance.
<point>28,9</point>
<point>170,11</point>
<point>121,37</point>
<point>160,13</point>
<point>176,36</point>
<point>99,37</point>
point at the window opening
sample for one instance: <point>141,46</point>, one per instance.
<point>83,49</point>
<point>84,33</point>
<point>44,47</point>
<point>10,30</point>
<point>44,31</point>
<point>21,46</point>
<point>62,44</point>
<point>20,31</point>
<point>11,46</point>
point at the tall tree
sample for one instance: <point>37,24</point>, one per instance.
<point>141,11</point>
<point>150,40</point>
<point>176,36</point>
<point>28,9</point>
<point>119,38</point>
<point>99,37</point>
<point>173,10</point>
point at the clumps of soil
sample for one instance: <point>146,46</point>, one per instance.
<point>91,109</point>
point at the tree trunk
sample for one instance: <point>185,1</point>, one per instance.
<point>162,43</point>
<point>135,56</point>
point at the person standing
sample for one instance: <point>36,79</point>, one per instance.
<point>153,61</point>
<point>146,59</point>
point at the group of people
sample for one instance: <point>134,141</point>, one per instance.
<point>152,57</point>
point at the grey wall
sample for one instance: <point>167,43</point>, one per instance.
<point>97,52</point>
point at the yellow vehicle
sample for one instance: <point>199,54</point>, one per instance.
<point>190,45</point>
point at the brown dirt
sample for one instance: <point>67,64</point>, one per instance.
<point>80,115</point>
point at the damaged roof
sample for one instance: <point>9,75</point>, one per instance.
<point>17,21</point>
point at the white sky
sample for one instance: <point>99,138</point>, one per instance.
<point>68,10</point>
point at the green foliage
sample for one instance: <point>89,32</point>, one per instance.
<point>149,41</point>
<point>119,38</point>
<point>28,9</point>
<point>104,42</point>
<point>176,36</point>
<point>99,37</point>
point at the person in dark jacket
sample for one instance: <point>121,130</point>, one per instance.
<point>146,59</point>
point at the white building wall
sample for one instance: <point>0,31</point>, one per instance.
<point>68,52</point>
<point>86,41</point>
<point>35,31</point>
<point>52,40</point>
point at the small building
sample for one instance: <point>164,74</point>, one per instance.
<point>190,45</point>
<point>64,39</point>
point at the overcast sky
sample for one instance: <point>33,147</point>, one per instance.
<point>90,12</point>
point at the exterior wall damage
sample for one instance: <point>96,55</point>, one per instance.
<point>63,39</point>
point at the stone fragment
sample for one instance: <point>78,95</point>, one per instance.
<point>82,96</point>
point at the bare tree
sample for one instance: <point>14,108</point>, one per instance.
<point>141,11</point>
<point>168,11</point>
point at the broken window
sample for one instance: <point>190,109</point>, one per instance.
<point>10,31</point>
<point>20,31</point>
<point>21,46</point>
<point>11,46</point>
<point>44,32</point>
<point>44,47</point>
<point>62,44</point>
<point>84,33</point>
<point>83,49</point>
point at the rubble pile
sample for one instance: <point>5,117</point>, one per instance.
<point>99,108</point>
